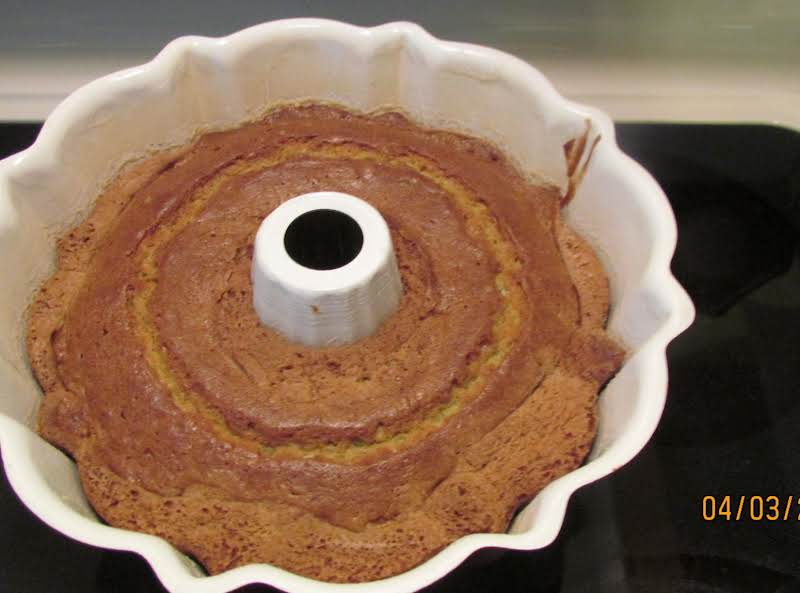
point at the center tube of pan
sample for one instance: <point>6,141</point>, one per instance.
<point>324,271</point>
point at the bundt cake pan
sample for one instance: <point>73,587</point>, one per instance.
<point>199,83</point>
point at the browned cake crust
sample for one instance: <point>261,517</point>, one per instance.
<point>190,420</point>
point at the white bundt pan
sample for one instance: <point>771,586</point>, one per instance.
<point>200,83</point>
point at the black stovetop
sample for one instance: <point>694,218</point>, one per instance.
<point>731,427</point>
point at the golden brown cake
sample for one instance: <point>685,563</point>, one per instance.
<point>191,420</point>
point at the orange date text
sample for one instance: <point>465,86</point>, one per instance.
<point>750,508</point>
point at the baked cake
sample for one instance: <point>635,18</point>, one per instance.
<point>191,420</point>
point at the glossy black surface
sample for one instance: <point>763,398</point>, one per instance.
<point>731,425</point>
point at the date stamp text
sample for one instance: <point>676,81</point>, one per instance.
<point>751,508</point>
